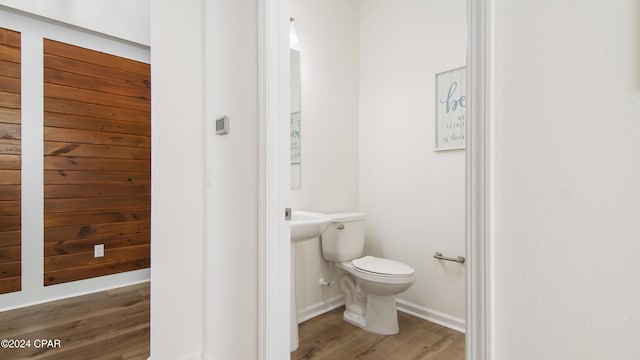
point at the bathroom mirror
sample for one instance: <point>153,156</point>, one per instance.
<point>295,133</point>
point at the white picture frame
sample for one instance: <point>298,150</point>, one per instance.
<point>451,109</point>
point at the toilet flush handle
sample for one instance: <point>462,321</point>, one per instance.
<point>340,227</point>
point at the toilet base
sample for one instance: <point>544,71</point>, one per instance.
<point>381,316</point>
<point>354,319</point>
<point>365,307</point>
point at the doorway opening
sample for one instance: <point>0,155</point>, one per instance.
<point>275,17</point>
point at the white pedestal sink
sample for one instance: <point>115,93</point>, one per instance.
<point>305,225</point>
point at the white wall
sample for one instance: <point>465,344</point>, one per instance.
<point>328,33</point>
<point>368,82</point>
<point>567,175</point>
<point>177,180</point>
<point>414,197</point>
<point>231,88</point>
<point>125,19</point>
<point>33,30</point>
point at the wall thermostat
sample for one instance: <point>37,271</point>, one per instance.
<point>222,125</point>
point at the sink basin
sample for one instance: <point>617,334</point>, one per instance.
<point>306,225</point>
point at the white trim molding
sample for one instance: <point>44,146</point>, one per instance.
<point>320,308</point>
<point>273,194</point>
<point>405,306</point>
<point>480,182</point>
<point>192,356</point>
<point>431,315</point>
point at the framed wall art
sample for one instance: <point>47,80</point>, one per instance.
<point>451,109</point>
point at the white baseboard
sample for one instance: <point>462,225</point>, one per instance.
<point>320,308</point>
<point>408,307</point>
<point>41,294</point>
<point>192,356</point>
<point>431,315</point>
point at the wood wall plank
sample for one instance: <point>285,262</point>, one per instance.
<point>9,238</point>
<point>61,262</point>
<point>95,137</point>
<point>12,284</point>
<point>79,232</point>
<point>95,57</point>
<point>97,151</point>
<point>9,37</point>
<point>10,84</point>
<point>53,220</point>
<point>95,124</point>
<point>9,147</point>
<point>9,208</point>
<point>87,191</point>
<point>89,271</point>
<point>52,248</point>
<point>10,269</point>
<point>58,77</point>
<point>56,91</point>
<point>93,164</point>
<point>10,177</point>
<point>9,192</point>
<point>75,205</point>
<point>10,131</point>
<point>10,161</point>
<point>95,177</point>
<point>10,254</point>
<point>9,116</point>
<point>93,110</point>
<point>9,69</point>
<point>52,148</point>
<point>9,223</point>
<point>96,71</point>
<point>10,53</point>
<point>9,100</point>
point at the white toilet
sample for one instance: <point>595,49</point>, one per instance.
<point>369,283</point>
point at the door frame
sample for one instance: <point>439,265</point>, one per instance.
<point>274,244</point>
<point>480,181</point>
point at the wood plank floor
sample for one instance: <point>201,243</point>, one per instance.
<point>109,325</point>
<point>330,337</point>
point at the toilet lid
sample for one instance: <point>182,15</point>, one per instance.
<point>382,266</point>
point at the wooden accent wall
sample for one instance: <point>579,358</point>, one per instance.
<point>10,164</point>
<point>97,163</point>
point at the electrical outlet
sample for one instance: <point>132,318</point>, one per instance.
<point>98,250</point>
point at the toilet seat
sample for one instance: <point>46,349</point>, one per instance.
<point>382,267</point>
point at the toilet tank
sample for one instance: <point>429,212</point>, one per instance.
<point>344,239</point>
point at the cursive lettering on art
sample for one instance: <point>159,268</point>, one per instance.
<point>451,102</point>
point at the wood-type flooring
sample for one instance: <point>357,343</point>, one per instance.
<point>108,325</point>
<point>114,325</point>
<point>329,337</point>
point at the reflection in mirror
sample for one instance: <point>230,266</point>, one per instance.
<point>295,120</point>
